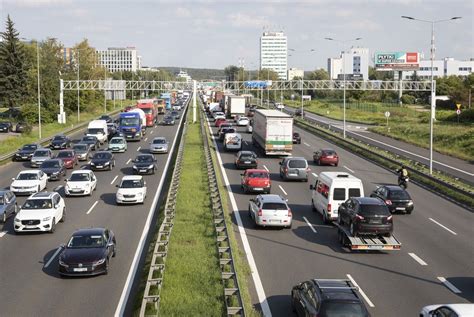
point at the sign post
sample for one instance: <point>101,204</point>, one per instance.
<point>387,115</point>
<point>458,111</point>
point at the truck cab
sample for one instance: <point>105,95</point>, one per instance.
<point>149,108</point>
<point>99,129</point>
<point>130,125</point>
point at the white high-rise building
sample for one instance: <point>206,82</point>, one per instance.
<point>354,61</point>
<point>295,72</point>
<point>120,59</point>
<point>441,68</point>
<point>274,53</point>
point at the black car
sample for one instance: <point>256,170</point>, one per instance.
<point>87,252</point>
<point>54,168</point>
<point>107,118</point>
<point>144,164</point>
<point>175,114</point>
<point>246,159</point>
<point>25,153</point>
<point>6,127</point>
<point>60,142</point>
<point>366,215</point>
<point>327,297</point>
<point>296,138</point>
<point>90,140</point>
<point>112,129</point>
<point>168,120</point>
<point>298,112</point>
<point>22,127</point>
<point>224,131</point>
<point>395,197</point>
<point>102,160</point>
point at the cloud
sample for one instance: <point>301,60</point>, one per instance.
<point>37,3</point>
<point>247,21</point>
<point>182,12</point>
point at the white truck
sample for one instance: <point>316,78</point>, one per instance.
<point>236,106</point>
<point>98,128</point>
<point>273,132</point>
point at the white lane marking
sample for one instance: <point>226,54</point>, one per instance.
<point>128,161</point>
<point>315,175</point>
<point>282,190</point>
<point>442,226</point>
<point>448,284</point>
<point>139,148</point>
<point>115,178</point>
<point>52,257</point>
<point>310,225</point>
<point>245,142</point>
<point>120,310</point>
<point>417,259</point>
<point>92,207</point>
<point>266,168</point>
<point>151,132</point>
<point>262,298</point>
<point>146,139</point>
<point>306,144</point>
<point>347,168</point>
<point>360,291</point>
<point>3,233</point>
<point>411,153</point>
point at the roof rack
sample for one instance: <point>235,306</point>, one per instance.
<point>348,282</point>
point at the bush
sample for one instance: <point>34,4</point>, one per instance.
<point>408,99</point>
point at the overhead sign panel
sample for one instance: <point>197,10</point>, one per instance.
<point>397,61</point>
<point>256,84</point>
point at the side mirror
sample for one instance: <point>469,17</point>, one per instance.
<point>311,187</point>
<point>62,246</point>
<point>13,178</point>
<point>279,163</point>
<point>117,186</point>
<point>344,205</point>
<point>56,206</point>
<point>110,244</point>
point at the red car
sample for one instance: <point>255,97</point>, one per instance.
<point>256,180</point>
<point>68,157</point>
<point>219,121</point>
<point>326,157</point>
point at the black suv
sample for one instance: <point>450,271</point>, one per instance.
<point>6,127</point>
<point>395,197</point>
<point>246,159</point>
<point>366,215</point>
<point>296,138</point>
<point>60,142</point>
<point>324,298</point>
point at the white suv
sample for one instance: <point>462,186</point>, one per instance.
<point>29,182</point>
<point>270,210</point>
<point>40,212</point>
<point>80,183</point>
<point>132,190</point>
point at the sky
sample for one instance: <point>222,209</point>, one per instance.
<point>215,34</point>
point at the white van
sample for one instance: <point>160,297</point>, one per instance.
<point>331,189</point>
<point>98,128</point>
<point>233,142</point>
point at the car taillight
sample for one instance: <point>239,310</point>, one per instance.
<point>329,207</point>
<point>290,214</point>
<point>389,218</point>
<point>285,169</point>
<point>388,202</point>
<point>359,217</point>
<point>260,212</point>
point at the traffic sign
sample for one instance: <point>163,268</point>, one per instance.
<point>458,105</point>
<point>387,114</point>
<point>458,112</point>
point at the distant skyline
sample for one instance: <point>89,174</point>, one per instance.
<point>215,34</point>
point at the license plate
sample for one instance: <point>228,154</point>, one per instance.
<point>129,136</point>
<point>24,157</point>
<point>274,220</point>
<point>376,247</point>
<point>247,162</point>
<point>375,221</point>
<point>142,171</point>
<point>99,166</point>
<point>400,208</point>
<point>80,269</point>
<point>258,189</point>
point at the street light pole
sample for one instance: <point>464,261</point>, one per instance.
<point>78,91</point>
<point>39,91</point>
<point>433,84</point>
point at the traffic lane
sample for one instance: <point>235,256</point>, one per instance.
<point>124,223</point>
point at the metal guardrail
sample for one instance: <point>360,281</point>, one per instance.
<point>226,259</point>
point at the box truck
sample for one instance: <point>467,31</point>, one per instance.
<point>273,132</point>
<point>236,106</point>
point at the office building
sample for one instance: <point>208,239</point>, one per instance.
<point>295,73</point>
<point>120,59</point>
<point>274,53</point>
<point>441,68</point>
<point>354,61</point>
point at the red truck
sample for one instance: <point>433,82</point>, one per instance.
<point>150,109</point>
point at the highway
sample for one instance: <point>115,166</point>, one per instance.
<point>30,284</point>
<point>448,164</point>
<point>436,242</point>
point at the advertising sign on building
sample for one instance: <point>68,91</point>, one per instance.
<point>397,61</point>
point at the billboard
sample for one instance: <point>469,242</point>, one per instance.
<point>397,61</point>
<point>257,84</point>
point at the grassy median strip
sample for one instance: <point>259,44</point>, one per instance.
<point>192,283</point>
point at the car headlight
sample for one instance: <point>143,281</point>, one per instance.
<point>88,185</point>
<point>62,263</point>
<point>101,261</point>
<point>55,173</point>
<point>92,163</point>
<point>137,134</point>
<point>140,194</point>
<point>17,220</point>
<point>106,163</point>
<point>119,195</point>
<point>46,218</point>
<point>410,203</point>
<point>150,166</point>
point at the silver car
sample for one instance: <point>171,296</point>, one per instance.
<point>8,205</point>
<point>82,151</point>
<point>270,210</point>
<point>39,156</point>
<point>294,168</point>
<point>159,145</point>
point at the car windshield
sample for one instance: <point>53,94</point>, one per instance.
<point>102,156</point>
<point>174,113</point>
<point>116,141</point>
<point>247,156</point>
<point>168,118</point>
<point>29,147</point>
<point>65,154</point>
<point>95,131</point>
<point>37,204</point>
<point>342,309</point>
<point>86,241</point>
<point>258,175</point>
<point>27,176</point>
<point>50,164</point>
<point>144,159</point>
<point>59,138</point>
<point>42,153</point>
<point>328,152</point>
<point>398,194</point>
<point>297,164</point>
<point>2,201</point>
<point>106,118</point>
<point>159,141</point>
<point>131,183</point>
<point>242,118</point>
<point>80,148</point>
<point>79,177</point>
<point>275,206</point>
<point>129,122</point>
<point>372,210</point>
<point>89,138</point>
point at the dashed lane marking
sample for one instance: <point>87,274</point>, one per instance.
<point>115,178</point>
<point>53,257</point>
<point>282,190</point>
<point>347,168</point>
<point>448,284</point>
<point>92,207</point>
<point>442,226</point>
<point>417,259</point>
<point>266,168</point>
<point>310,225</point>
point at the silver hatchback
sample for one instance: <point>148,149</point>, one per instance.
<point>294,168</point>
<point>159,145</point>
<point>270,210</point>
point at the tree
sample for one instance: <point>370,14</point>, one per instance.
<point>319,74</point>
<point>375,74</point>
<point>13,67</point>
<point>267,74</point>
<point>231,72</point>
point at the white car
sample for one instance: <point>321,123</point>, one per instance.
<point>176,107</point>
<point>29,182</point>
<point>270,210</point>
<point>40,212</point>
<point>242,121</point>
<point>249,128</point>
<point>80,183</point>
<point>218,114</point>
<point>279,106</point>
<point>132,190</point>
<point>458,310</point>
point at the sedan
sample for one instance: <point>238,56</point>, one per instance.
<point>224,131</point>
<point>132,190</point>
<point>270,210</point>
<point>102,160</point>
<point>60,142</point>
<point>255,180</point>
<point>144,164</point>
<point>395,197</point>
<point>245,159</point>
<point>92,141</point>
<point>326,157</point>
<point>175,114</point>
<point>68,157</point>
<point>54,168</point>
<point>29,182</point>
<point>6,127</point>
<point>81,182</point>
<point>26,152</point>
<point>243,121</point>
<point>296,138</point>
<point>159,145</point>
<point>219,121</point>
<point>168,120</point>
<point>87,252</point>
<point>111,129</point>
<point>118,144</point>
<point>82,151</point>
<point>39,156</point>
<point>8,204</point>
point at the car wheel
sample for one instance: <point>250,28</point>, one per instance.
<point>153,171</point>
<point>115,251</point>
<point>106,271</point>
<point>63,218</point>
<point>409,211</point>
<point>319,162</point>
<point>15,211</point>
<point>53,226</point>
